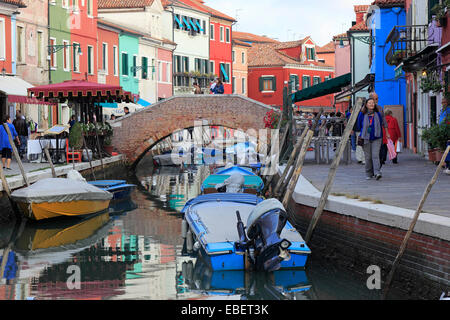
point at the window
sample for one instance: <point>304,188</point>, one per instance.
<point>211,31</point>
<point>185,64</point>
<point>159,71</point>
<point>90,60</point>
<point>39,45</point>
<point>21,44</point>
<point>144,63</point>
<point>294,82</point>
<point>233,56</point>
<point>76,57</point>
<point>227,35</point>
<point>177,63</point>
<point>233,85</point>
<point>124,64</point>
<point>115,58</point>
<point>211,67</point>
<point>105,57</point>
<point>65,4</point>
<point>134,66</point>
<point>316,80</point>
<point>204,27</point>
<point>221,34</point>
<point>90,8</point>
<point>224,72</point>
<point>168,72</point>
<point>75,6</point>
<point>198,64</point>
<point>306,82</point>
<point>243,86</point>
<point>66,55</point>
<point>267,83</point>
<point>243,57</point>
<point>2,39</point>
<point>310,54</point>
<point>52,55</point>
<point>177,23</point>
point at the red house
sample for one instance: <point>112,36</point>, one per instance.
<point>220,47</point>
<point>273,66</point>
<point>108,58</point>
<point>83,28</point>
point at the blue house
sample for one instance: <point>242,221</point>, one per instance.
<point>382,17</point>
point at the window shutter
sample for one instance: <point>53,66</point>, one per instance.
<point>274,84</point>
<point>261,84</point>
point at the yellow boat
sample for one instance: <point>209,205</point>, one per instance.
<point>56,197</point>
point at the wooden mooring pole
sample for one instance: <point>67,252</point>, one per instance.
<point>333,169</point>
<point>49,159</point>
<point>413,222</point>
<point>16,154</point>
<point>298,168</point>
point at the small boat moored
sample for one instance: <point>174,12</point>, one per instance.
<point>56,197</point>
<point>119,188</point>
<point>213,227</point>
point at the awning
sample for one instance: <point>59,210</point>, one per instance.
<point>327,87</point>
<point>367,81</point>
<point>224,72</point>
<point>199,26</point>
<point>193,25</point>
<point>143,102</point>
<point>179,22</point>
<point>75,88</point>
<point>14,86</point>
<point>186,23</point>
<point>117,109</point>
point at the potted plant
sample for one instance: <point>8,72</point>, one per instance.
<point>437,136</point>
<point>440,12</point>
<point>75,136</point>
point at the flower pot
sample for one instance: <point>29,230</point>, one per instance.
<point>438,155</point>
<point>432,155</point>
<point>108,149</point>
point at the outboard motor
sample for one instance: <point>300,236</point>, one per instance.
<point>264,226</point>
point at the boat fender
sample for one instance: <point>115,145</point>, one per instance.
<point>196,246</point>
<point>184,227</point>
<point>189,241</point>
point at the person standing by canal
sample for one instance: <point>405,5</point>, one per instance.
<point>370,121</point>
<point>393,129</point>
<point>197,89</point>
<point>5,146</point>
<point>20,124</point>
<point>219,88</point>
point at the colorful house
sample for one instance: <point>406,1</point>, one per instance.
<point>418,54</point>
<point>83,29</point>
<point>382,16</point>
<point>108,60</point>
<point>60,62</point>
<point>273,66</point>
<point>240,67</point>
<point>128,60</point>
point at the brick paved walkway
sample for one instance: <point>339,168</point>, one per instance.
<point>402,184</point>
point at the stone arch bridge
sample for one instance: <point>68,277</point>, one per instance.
<point>136,133</point>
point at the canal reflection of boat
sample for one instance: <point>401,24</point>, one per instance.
<point>56,197</point>
<point>119,188</point>
<point>277,285</point>
<point>212,228</point>
<point>121,207</point>
<point>54,242</point>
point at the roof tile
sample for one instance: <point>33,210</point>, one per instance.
<point>389,3</point>
<point>19,3</point>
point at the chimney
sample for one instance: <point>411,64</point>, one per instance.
<point>360,11</point>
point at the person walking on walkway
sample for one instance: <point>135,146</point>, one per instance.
<point>21,127</point>
<point>5,146</point>
<point>393,129</point>
<point>370,121</point>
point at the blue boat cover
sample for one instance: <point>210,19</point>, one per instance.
<point>233,169</point>
<point>227,197</point>
<point>106,183</point>
<point>250,181</point>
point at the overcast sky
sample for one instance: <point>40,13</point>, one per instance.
<point>289,20</point>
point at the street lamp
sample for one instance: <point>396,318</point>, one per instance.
<point>58,47</point>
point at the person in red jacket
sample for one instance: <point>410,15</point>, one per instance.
<point>393,128</point>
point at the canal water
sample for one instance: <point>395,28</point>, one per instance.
<point>135,252</point>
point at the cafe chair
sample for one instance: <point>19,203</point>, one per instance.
<point>72,155</point>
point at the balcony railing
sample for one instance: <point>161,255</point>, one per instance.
<point>408,41</point>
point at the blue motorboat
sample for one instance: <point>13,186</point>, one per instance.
<point>119,188</point>
<point>213,228</point>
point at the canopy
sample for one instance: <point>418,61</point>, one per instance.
<point>75,88</point>
<point>327,87</point>
<point>16,90</point>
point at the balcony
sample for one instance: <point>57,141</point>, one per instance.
<point>414,46</point>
